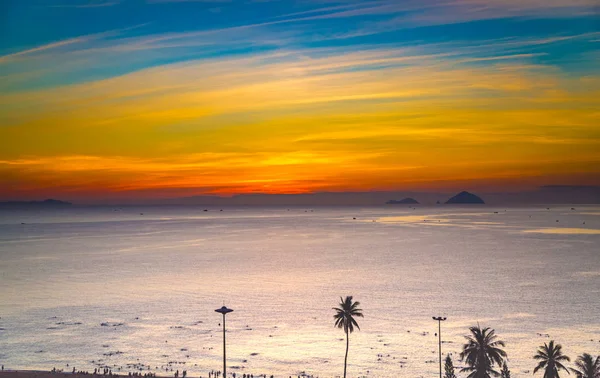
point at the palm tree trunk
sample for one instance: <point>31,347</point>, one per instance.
<point>346,358</point>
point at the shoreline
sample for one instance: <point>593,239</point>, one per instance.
<point>50,374</point>
<point>84,374</point>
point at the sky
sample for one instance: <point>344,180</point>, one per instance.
<point>169,98</point>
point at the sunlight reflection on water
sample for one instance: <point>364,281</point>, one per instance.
<point>163,274</point>
<point>565,231</point>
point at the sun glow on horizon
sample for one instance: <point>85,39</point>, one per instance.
<point>296,105</point>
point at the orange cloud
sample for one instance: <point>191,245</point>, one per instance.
<point>386,118</point>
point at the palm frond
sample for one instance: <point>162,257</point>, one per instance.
<point>482,351</point>
<point>550,356</point>
<point>345,314</point>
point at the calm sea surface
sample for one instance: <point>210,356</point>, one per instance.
<point>154,281</point>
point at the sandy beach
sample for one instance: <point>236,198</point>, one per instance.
<point>48,374</point>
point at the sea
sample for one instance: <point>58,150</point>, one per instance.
<point>135,289</point>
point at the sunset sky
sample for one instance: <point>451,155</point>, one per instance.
<point>167,98</point>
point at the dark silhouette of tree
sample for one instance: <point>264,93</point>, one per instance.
<point>505,373</point>
<point>587,366</point>
<point>344,318</point>
<point>551,358</point>
<point>449,368</point>
<point>481,352</point>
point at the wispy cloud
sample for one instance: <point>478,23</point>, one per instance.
<point>46,47</point>
<point>381,106</point>
<point>413,13</point>
<point>297,102</point>
<point>86,4</point>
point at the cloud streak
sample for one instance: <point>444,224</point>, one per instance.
<point>283,105</point>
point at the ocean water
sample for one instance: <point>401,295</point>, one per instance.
<point>154,281</point>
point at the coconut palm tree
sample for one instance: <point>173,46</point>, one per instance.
<point>551,357</point>
<point>587,366</point>
<point>344,318</point>
<point>505,373</point>
<point>481,352</point>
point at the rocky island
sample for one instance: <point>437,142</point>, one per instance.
<point>465,198</point>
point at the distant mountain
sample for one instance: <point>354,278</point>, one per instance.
<point>545,195</point>
<point>373,198</point>
<point>465,198</point>
<point>405,201</point>
<point>44,203</point>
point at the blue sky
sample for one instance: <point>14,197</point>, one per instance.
<point>250,26</point>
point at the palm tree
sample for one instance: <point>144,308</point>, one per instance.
<point>481,352</point>
<point>550,357</point>
<point>587,367</point>
<point>505,373</point>
<point>344,318</point>
<point>449,368</point>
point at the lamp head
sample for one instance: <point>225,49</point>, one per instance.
<point>223,310</point>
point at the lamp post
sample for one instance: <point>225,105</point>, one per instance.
<point>440,320</point>
<point>224,310</point>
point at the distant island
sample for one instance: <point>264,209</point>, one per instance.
<point>405,201</point>
<point>44,203</point>
<point>465,198</point>
<point>546,195</point>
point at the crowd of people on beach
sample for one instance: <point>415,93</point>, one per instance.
<point>108,372</point>
<point>218,374</point>
<point>105,371</point>
<point>145,375</point>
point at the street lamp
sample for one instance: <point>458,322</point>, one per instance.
<point>440,320</point>
<point>224,310</point>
